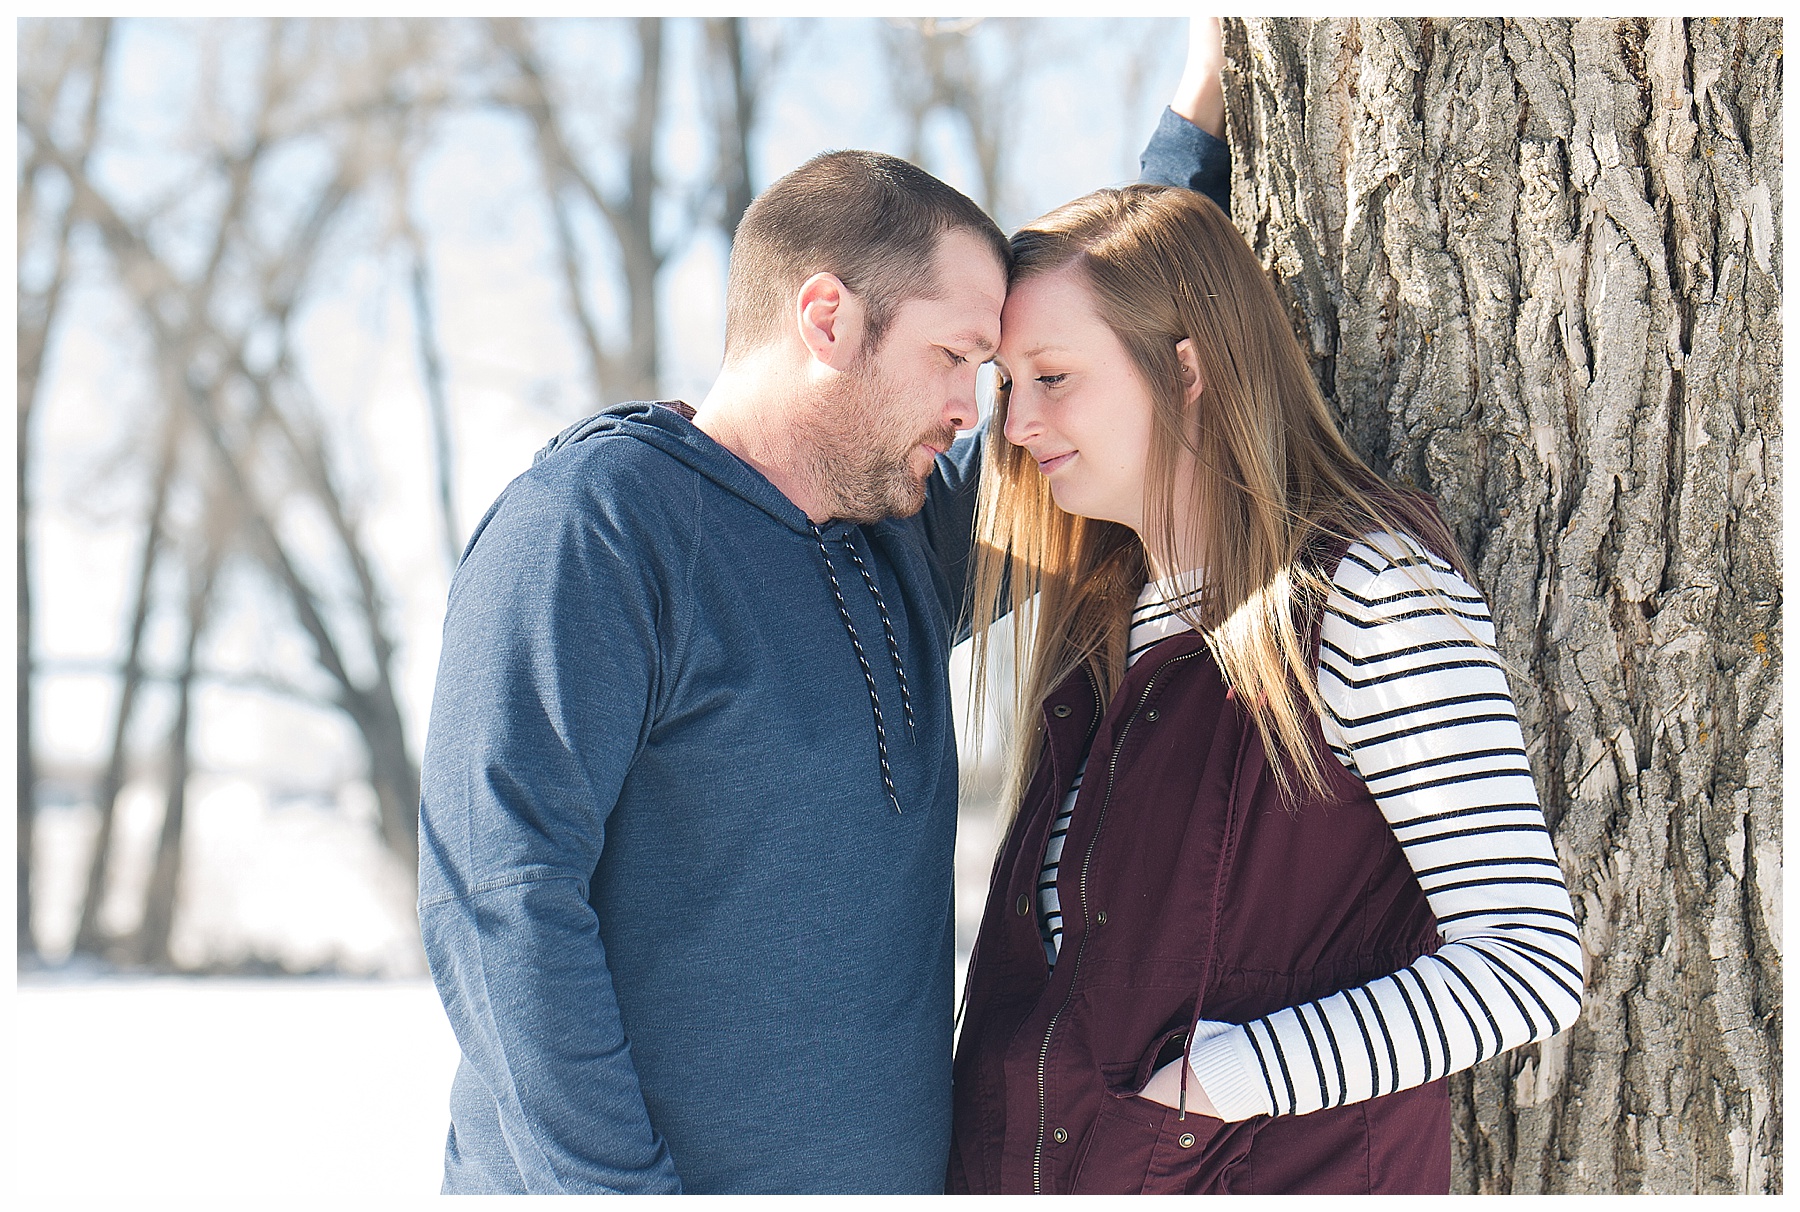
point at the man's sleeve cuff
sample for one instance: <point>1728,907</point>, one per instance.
<point>1181,154</point>
<point>1222,1059</point>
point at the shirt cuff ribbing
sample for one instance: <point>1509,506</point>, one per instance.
<point>1222,1059</point>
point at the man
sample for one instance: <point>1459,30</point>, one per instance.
<point>690,780</point>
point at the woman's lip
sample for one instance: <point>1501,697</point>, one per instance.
<point>1051,464</point>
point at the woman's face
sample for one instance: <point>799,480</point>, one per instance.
<point>1078,403</point>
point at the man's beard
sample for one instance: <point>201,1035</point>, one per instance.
<point>862,448</point>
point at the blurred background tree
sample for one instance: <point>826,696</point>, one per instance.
<point>296,299</point>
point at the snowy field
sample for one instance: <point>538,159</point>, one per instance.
<point>296,1092</point>
<point>240,1093</point>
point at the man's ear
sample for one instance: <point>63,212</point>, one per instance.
<point>830,319</point>
<point>1190,370</point>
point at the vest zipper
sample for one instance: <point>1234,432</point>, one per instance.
<point>1037,1157</point>
<point>1112,769</point>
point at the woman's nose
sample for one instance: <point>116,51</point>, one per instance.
<point>1021,418</point>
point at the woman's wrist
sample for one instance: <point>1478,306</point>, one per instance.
<point>1165,1087</point>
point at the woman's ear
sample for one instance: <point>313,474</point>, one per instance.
<point>1190,370</point>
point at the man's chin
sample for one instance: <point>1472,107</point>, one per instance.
<point>903,499</point>
<point>911,505</point>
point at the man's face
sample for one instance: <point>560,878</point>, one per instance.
<point>900,405</point>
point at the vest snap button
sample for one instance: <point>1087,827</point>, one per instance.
<point>1023,905</point>
<point>1150,715</point>
<point>1062,711</point>
<point>1186,1141</point>
<point>1101,917</point>
<point>1062,1136</point>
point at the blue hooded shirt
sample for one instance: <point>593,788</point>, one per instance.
<point>686,937</point>
<point>688,816</point>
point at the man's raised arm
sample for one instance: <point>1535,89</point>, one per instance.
<point>1188,148</point>
<point>543,698</point>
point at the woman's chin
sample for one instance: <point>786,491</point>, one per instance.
<point>1071,502</point>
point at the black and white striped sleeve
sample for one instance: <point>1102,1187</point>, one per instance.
<point>1419,708</point>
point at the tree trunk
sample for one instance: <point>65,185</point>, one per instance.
<point>202,362</point>
<point>628,369</point>
<point>631,220</point>
<point>36,319</point>
<point>151,946</point>
<point>734,94</point>
<point>437,398</point>
<point>90,935</point>
<point>1537,266</point>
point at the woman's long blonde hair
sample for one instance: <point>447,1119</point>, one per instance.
<point>1273,479</point>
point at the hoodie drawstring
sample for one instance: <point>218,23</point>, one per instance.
<point>887,626</point>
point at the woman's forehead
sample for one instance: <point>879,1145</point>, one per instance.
<point>1047,311</point>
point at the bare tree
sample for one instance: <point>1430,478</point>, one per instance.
<point>78,52</point>
<point>150,946</point>
<point>1537,263</point>
<point>737,76</point>
<point>934,68</point>
<point>431,367</point>
<point>415,127</point>
<point>619,370</point>
<point>90,937</point>
<point>253,413</point>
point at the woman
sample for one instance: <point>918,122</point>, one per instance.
<point>1277,865</point>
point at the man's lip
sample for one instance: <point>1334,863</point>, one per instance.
<point>1054,461</point>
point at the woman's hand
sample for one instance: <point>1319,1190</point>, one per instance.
<point>1164,1087</point>
<point>1200,97</point>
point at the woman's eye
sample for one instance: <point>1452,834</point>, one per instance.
<point>1052,380</point>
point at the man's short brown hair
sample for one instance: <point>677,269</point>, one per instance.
<point>873,220</point>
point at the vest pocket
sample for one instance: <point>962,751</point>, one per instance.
<point>1115,1157</point>
<point>1137,1147</point>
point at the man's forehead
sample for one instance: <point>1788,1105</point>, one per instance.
<point>963,309</point>
<point>959,316</point>
<point>983,341</point>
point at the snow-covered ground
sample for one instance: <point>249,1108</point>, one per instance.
<point>215,1093</point>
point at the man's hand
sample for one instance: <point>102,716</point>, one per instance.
<point>1200,97</point>
<point>1164,1087</point>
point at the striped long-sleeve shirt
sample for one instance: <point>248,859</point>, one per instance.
<point>1418,707</point>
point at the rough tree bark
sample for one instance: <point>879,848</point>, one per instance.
<point>1537,265</point>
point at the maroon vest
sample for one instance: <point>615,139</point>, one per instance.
<point>1190,889</point>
